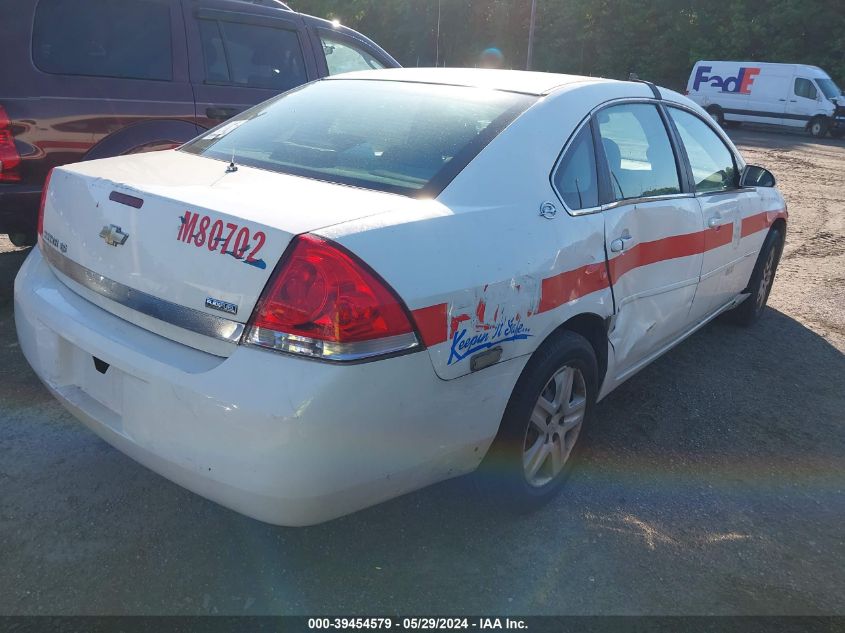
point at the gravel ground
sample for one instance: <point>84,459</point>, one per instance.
<point>712,483</point>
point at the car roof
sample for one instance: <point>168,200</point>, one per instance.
<point>527,82</point>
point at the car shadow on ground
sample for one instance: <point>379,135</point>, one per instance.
<point>708,483</point>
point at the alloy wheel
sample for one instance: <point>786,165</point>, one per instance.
<point>554,426</point>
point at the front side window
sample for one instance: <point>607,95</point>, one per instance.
<point>252,56</point>
<point>638,152</point>
<point>342,57</point>
<point>805,88</point>
<point>104,38</point>
<point>713,166</point>
<point>392,136</point>
<point>575,178</point>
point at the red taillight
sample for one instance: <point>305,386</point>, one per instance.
<point>10,160</point>
<point>43,202</point>
<point>323,301</point>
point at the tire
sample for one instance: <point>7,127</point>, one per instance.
<point>22,239</point>
<point>838,133</point>
<point>717,114</point>
<point>762,278</point>
<point>526,466</point>
<point>817,127</point>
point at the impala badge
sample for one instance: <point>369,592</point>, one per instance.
<point>114,235</point>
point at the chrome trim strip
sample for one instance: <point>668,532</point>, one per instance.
<point>161,309</point>
<point>326,350</point>
<point>646,199</point>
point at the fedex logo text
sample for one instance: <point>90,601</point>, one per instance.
<point>740,84</point>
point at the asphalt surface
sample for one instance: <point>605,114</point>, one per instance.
<point>712,483</point>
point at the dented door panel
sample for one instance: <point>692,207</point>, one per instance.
<point>654,275</point>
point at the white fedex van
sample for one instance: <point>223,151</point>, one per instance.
<point>795,95</point>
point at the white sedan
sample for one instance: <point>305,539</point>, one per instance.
<point>385,279</point>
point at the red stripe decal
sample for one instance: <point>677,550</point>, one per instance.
<point>646,253</point>
<point>431,322</point>
<point>571,285</point>
<point>574,284</point>
<point>761,221</point>
<point>718,236</point>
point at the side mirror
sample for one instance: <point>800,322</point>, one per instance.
<point>753,176</point>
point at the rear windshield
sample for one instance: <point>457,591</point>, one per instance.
<point>406,138</point>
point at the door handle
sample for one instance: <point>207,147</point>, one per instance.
<point>618,245</point>
<point>715,221</point>
<point>221,114</point>
<point>781,99</point>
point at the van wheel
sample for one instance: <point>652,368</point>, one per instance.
<point>749,311</point>
<point>818,127</point>
<point>532,454</point>
<point>717,114</point>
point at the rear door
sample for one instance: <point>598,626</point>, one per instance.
<point>238,60</point>
<point>715,178</point>
<point>653,232</point>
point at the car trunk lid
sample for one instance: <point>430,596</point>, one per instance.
<point>171,239</point>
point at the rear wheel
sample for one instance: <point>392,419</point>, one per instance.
<point>762,278</point>
<point>533,452</point>
<point>818,127</point>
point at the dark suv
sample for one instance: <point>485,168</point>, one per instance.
<point>94,78</point>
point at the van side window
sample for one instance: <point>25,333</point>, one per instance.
<point>638,152</point>
<point>104,38</point>
<point>712,163</point>
<point>575,179</point>
<point>342,57</point>
<point>805,88</point>
<point>252,56</point>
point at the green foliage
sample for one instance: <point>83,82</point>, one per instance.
<point>659,40</point>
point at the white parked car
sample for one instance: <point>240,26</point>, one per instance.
<point>792,95</point>
<point>385,279</point>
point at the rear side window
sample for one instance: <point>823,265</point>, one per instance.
<point>575,178</point>
<point>103,38</point>
<point>712,163</point>
<point>400,137</point>
<point>251,55</point>
<point>638,152</point>
<point>342,57</point>
<point>805,88</point>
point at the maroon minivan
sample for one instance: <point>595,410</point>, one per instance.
<point>95,78</point>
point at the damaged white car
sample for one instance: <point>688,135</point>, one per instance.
<point>385,279</point>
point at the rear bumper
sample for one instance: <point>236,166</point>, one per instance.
<point>281,439</point>
<point>19,208</point>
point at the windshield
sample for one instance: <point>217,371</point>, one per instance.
<point>829,88</point>
<point>407,138</point>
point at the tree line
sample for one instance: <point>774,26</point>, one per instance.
<point>659,39</point>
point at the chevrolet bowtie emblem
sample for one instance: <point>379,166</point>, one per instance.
<point>113,235</point>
